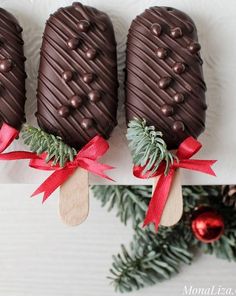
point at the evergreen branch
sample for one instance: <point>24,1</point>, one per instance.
<point>154,257</point>
<point>126,200</point>
<point>42,142</point>
<point>147,146</point>
<point>151,259</point>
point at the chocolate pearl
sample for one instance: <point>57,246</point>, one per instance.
<point>67,75</point>
<point>204,106</point>
<point>167,110</point>
<point>64,111</point>
<point>176,33</point>
<point>83,26</point>
<point>76,101</point>
<point>162,53</point>
<point>87,123</point>
<point>179,68</point>
<point>6,65</point>
<point>156,29</point>
<point>178,126</point>
<point>179,98</point>
<point>91,53</point>
<point>94,96</point>
<point>194,47</point>
<point>73,43</point>
<point>164,82</point>
<point>88,77</point>
<point>18,28</point>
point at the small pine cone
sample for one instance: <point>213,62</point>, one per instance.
<point>229,195</point>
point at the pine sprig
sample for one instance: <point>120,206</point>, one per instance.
<point>150,259</point>
<point>42,142</point>
<point>153,257</point>
<point>148,147</point>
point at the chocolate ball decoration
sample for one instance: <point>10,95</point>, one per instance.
<point>207,225</point>
<point>156,29</point>
<point>83,26</point>
<point>88,78</point>
<point>162,53</point>
<point>91,53</point>
<point>64,111</point>
<point>67,75</point>
<point>6,65</point>
<point>167,110</point>
<point>178,126</point>
<point>164,82</point>
<point>179,98</point>
<point>87,123</point>
<point>179,68</point>
<point>176,33</point>
<point>73,43</point>
<point>194,47</point>
<point>94,96</point>
<point>76,101</point>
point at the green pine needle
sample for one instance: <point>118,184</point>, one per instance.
<point>152,257</point>
<point>147,146</point>
<point>42,142</point>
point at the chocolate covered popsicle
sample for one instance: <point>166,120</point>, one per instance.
<point>164,82</point>
<point>12,71</point>
<point>165,104</point>
<point>77,83</point>
<point>77,92</point>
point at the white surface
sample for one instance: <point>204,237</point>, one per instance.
<point>216,23</point>
<point>40,256</point>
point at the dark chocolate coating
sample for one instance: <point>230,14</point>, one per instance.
<point>77,83</point>
<point>12,71</point>
<point>164,80</point>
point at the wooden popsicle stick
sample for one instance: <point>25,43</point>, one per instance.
<point>74,198</point>
<point>174,206</point>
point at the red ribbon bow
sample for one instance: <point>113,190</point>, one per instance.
<point>86,158</point>
<point>7,135</point>
<point>186,150</point>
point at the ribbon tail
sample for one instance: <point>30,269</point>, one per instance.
<point>96,168</point>
<point>7,135</point>
<point>52,183</point>
<point>202,166</point>
<point>158,201</point>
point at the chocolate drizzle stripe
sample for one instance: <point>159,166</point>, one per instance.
<point>71,90</point>
<point>12,73</point>
<point>89,103</point>
<point>154,71</point>
<point>164,75</point>
<point>167,42</point>
<point>70,125</point>
<point>105,110</point>
<point>151,102</point>
<point>5,80</point>
<point>100,64</point>
<point>188,74</point>
<point>65,56</point>
<point>99,41</point>
<point>148,78</point>
<point>61,102</point>
<point>85,64</point>
<point>177,42</point>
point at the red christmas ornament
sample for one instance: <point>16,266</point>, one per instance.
<point>207,225</point>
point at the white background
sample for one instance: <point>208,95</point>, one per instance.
<point>216,23</point>
<point>39,256</point>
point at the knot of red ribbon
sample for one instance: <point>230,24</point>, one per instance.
<point>87,158</point>
<point>186,150</point>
